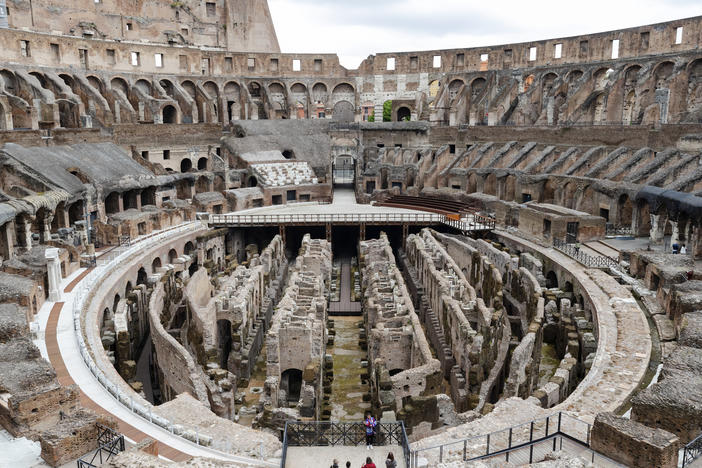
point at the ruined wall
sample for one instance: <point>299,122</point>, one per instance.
<point>394,332</point>
<point>297,338</point>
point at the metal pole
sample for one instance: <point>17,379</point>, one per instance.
<point>488,445</point>
<point>465,449</point>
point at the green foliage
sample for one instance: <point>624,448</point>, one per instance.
<point>387,111</point>
<point>371,118</point>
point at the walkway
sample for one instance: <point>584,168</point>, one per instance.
<point>57,341</point>
<point>322,457</point>
<point>344,306</point>
<point>347,391</point>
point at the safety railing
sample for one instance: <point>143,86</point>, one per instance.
<point>692,451</point>
<point>109,443</point>
<point>106,264</point>
<point>522,437</point>
<point>233,219</point>
<point>612,230</point>
<point>590,261</point>
<point>327,433</point>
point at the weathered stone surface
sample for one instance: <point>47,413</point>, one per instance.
<point>633,444</point>
<point>691,330</point>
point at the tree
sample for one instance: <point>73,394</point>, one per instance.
<point>371,118</point>
<point>387,111</point>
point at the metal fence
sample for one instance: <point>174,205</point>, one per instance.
<point>590,261</point>
<point>327,433</point>
<point>109,443</point>
<point>526,438</point>
<point>612,230</point>
<point>474,222</point>
<point>692,451</point>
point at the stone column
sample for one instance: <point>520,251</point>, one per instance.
<point>46,228</point>
<point>675,233</point>
<point>53,266</point>
<point>24,232</point>
<point>656,234</point>
<point>6,241</point>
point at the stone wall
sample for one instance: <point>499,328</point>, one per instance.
<point>399,354</point>
<point>632,443</point>
<point>296,341</point>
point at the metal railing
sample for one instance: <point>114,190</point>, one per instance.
<point>107,263</point>
<point>692,451</point>
<point>525,437</point>
<point>232,219</point>
<point>109,443</point>
<point>327,433</point>
<point>612,230</point>
<point>590,261</point>
<point>471,223</point>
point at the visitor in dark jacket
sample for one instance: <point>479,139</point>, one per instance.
<point>390,461</point>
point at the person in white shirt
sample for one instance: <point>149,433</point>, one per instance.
<point>683,249</point>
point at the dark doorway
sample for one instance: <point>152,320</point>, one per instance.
<point>291,382</point>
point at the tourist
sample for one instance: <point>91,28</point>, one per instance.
<point>676,248</point>
<point>335,464</point>
<point>369,463</point>
<point>390,461</point>
<point>370,424</point>
<point>683,249</point>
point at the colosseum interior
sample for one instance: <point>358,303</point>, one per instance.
<point>216,254</point>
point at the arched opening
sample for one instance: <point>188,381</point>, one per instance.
<point>254,89</point>
<point>404,114</point>
<point>141,276</point>
<point>115,301</point>
<point>551,280</point>
<point>128,288</point>
<point>288,154</point>
<point>568,287</point>
<point>625,210</point>
<point>186,165</point>
<point>170,115</point>
<point>343,170</point>
<point>548,195</point>
<point>490,185</point>
<point>291,383</point>
<point>75,212</point>
<point>224,341</point>
<point>251,181</point>
<point>172,256</point>
<point>202,164</point>
<point>644,218</point>
<point>343,112</point>
<point>112,203</point>
<point>148,196</point>
<point>394,372</point>
<point>155,265</point>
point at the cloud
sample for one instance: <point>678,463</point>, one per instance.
<point>359,28</point>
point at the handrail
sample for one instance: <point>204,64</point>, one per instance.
<point>515,437</point>
<point>692,451</point>
<point>82,292</point>
<point>587,260</point>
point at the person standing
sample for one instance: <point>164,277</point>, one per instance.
<point>335,464</point>
<point>390,461</point>
<point>370,424</point>
<point>683,249</point>
<point>369,463</point>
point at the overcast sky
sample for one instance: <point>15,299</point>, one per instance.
<point>355,29</point>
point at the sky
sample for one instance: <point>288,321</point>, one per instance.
<point>355,29</point>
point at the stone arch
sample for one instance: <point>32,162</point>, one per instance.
<point>472,186</point>
<point>115,302</point>
<point>155,265</point>
<point>625,210</point>
<point>643,218</point>
<point>455,87</point>
<point>319,93</point>
<point>186,165</point>
<point>551,279</point>
<point>118,83</point>
<point>343,112</point>
<point>599,108</point>
<point>251,181</point>
<point>141,276</point>
<point>172,256</point>
<point>96,83</point>
<point>477,86</point>
<point>434,87</point>
<point>587,200</point>
<point>291,382</point>
<point>403,114</point>
<point>112,203</point>
<point>569,194</point>
<point>574,75</point>
<point>202,185</point>
<point>190,88</point>
<point>599,78</point>
<point>490,186</point>
<point>662,72</point>
<point>169,115</point>
<point>344,92</point>
<point>232,95</point>
<point>144,86</point>
<point>202,164</point>
<point>694,88</point>
<point>547,82</point>
<point>254,88</point>
<point>548,194</point>
<point>629,108</point>
<point>168,87</point>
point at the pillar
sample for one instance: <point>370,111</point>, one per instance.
<point>675,234</point>
<point>362,231</point>
<point>6,241</point>
<point>24,232</point>
<point>45,235</point>
<point>656,234</point>
<point>53,266</point>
